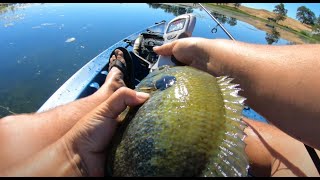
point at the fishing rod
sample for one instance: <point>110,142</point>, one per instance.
<point>222,27</point>
<point>315,158</point>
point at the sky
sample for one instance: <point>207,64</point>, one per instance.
<point>291,7</point>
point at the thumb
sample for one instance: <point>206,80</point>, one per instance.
<point>165,50</point>
<point>95,130</point>
<point>92,134</point>
<point>119,101</point>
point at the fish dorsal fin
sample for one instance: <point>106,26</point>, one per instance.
<point>232,159</point>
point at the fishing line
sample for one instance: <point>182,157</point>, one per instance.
<point>7,109</point>
<point>222,27</point>
<point>200,16</point>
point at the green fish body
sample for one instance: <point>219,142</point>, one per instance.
<point>190,126</point>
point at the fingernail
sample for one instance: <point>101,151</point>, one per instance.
<point>155,47</point>
<point>142,95</point>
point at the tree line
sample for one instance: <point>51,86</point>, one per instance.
<point>303,14</point>
<point>272,37</point>
<point>175,10</point>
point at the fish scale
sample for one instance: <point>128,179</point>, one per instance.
<point>191,127</point>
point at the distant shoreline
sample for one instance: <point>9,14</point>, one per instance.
<point>290,29</point>
<point>289,24</point>
<point>5,4</point>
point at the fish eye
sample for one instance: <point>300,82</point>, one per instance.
<point>164,82</point>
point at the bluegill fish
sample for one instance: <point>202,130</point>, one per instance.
<point>190,126</point>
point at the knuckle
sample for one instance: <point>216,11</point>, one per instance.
<point>124,91</point>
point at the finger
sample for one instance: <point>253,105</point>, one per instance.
<point>119,100</point>
<point>165,50</point>
<point>97,128</point>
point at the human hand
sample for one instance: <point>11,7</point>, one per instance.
<point>87,141</point>
<point>190,51</point>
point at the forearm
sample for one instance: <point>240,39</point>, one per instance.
<point>278,154</point>
<point>63,118</point>
<point>51,161</point>
<point>280,82</point>
<point>26,134</point>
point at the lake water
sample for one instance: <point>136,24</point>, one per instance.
<point>42,45</point>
